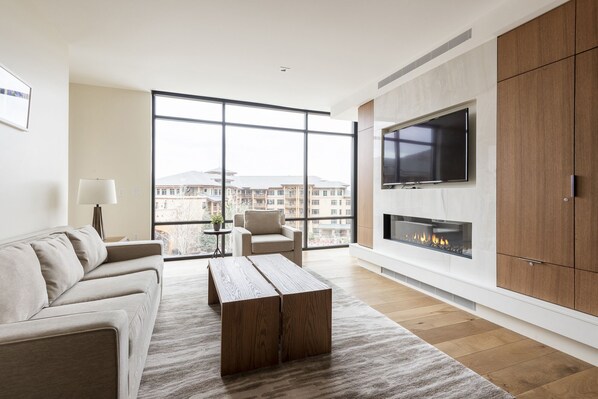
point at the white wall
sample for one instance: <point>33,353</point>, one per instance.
<point>34,164</point>
<point>110,138</point>
<point>470,80</point>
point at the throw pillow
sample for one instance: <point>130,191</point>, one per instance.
<point>22,286</point>
<point>89,247</point>
<point>263,222</point>
<point>59,263</point>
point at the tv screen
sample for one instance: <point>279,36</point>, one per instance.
<point>433,151</point>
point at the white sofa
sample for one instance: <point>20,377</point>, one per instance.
<point>76,316</point>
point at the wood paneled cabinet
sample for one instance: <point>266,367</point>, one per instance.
<point>365,170</point>
<point>586,27</point>
<point>586,161</point>
<point>535,158</point>
<point>547,168</point>
<point>546,39</point>
<point>545,281</point>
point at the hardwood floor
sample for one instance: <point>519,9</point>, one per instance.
<point>521,366</point>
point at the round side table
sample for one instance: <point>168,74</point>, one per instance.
<point>217,233</point>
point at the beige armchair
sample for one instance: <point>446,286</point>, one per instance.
<point>265,232</point>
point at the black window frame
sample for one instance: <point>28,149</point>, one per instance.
<point>306,210</point>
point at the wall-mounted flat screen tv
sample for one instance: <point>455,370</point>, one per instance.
<point>433,151</point>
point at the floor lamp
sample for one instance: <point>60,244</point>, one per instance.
<point>98,192</point>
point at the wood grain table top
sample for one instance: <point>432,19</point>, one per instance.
<point>287,277</point>
<point>236,279</point>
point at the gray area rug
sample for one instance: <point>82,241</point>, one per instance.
<point>372,357</point>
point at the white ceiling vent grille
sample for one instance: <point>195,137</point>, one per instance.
<point>454,42</point>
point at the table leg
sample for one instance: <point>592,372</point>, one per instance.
<point>250,332</point>
<point>212,294</point>
<point>217,251</point>
<point>306,324</point>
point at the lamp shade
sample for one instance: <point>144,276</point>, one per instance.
<point>96,191</point>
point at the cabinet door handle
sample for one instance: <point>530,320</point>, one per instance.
<point>531,262</point>
<point>572,186</point>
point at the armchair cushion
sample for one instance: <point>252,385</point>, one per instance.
<point>263,222</point>
<point>22,286</point>
<point>59,263</point>
<point>89,247</point>
<point>271,243</point>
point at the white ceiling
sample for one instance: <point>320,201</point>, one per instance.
<point>234,48</point>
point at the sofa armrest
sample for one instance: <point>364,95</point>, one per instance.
<point>119,251</point>
<point>296,235</point>
<point>79,355</point>
<point>241,241</point>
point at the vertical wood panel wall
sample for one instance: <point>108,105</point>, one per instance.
<point>546,230</point>
<point>365,173</point>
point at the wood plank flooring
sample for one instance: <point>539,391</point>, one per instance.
<point>524,367</point>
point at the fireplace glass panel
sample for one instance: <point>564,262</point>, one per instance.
<point>447,236</point>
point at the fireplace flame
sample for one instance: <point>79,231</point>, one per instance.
<point>433,239</point>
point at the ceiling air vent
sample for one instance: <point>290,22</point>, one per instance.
<point>454,42</point>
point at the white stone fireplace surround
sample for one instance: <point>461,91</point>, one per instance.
<point>466,81</point>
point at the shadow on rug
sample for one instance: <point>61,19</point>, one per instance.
<point>372,357</point>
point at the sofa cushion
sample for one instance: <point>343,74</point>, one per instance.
<point>137,306</point>
<point>89,247</point>
<point>22,286</point>
<point>109,287</point>
<point>59,264</point>
<point>271,243</point>
<point>154,262</point>
<point>263,222</point>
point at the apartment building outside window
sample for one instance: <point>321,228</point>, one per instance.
<point>229,156</point>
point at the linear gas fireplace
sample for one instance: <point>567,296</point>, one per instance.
<point>439,235</point>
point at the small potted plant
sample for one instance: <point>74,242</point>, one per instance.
<point>217,221</point>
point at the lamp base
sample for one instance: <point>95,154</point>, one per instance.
<point>97,221</point>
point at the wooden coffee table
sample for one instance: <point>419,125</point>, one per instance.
<point>254,294</point>
<point>306,307</point>
<point>250,315</point>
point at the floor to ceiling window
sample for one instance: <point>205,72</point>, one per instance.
<point>214,155</point>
